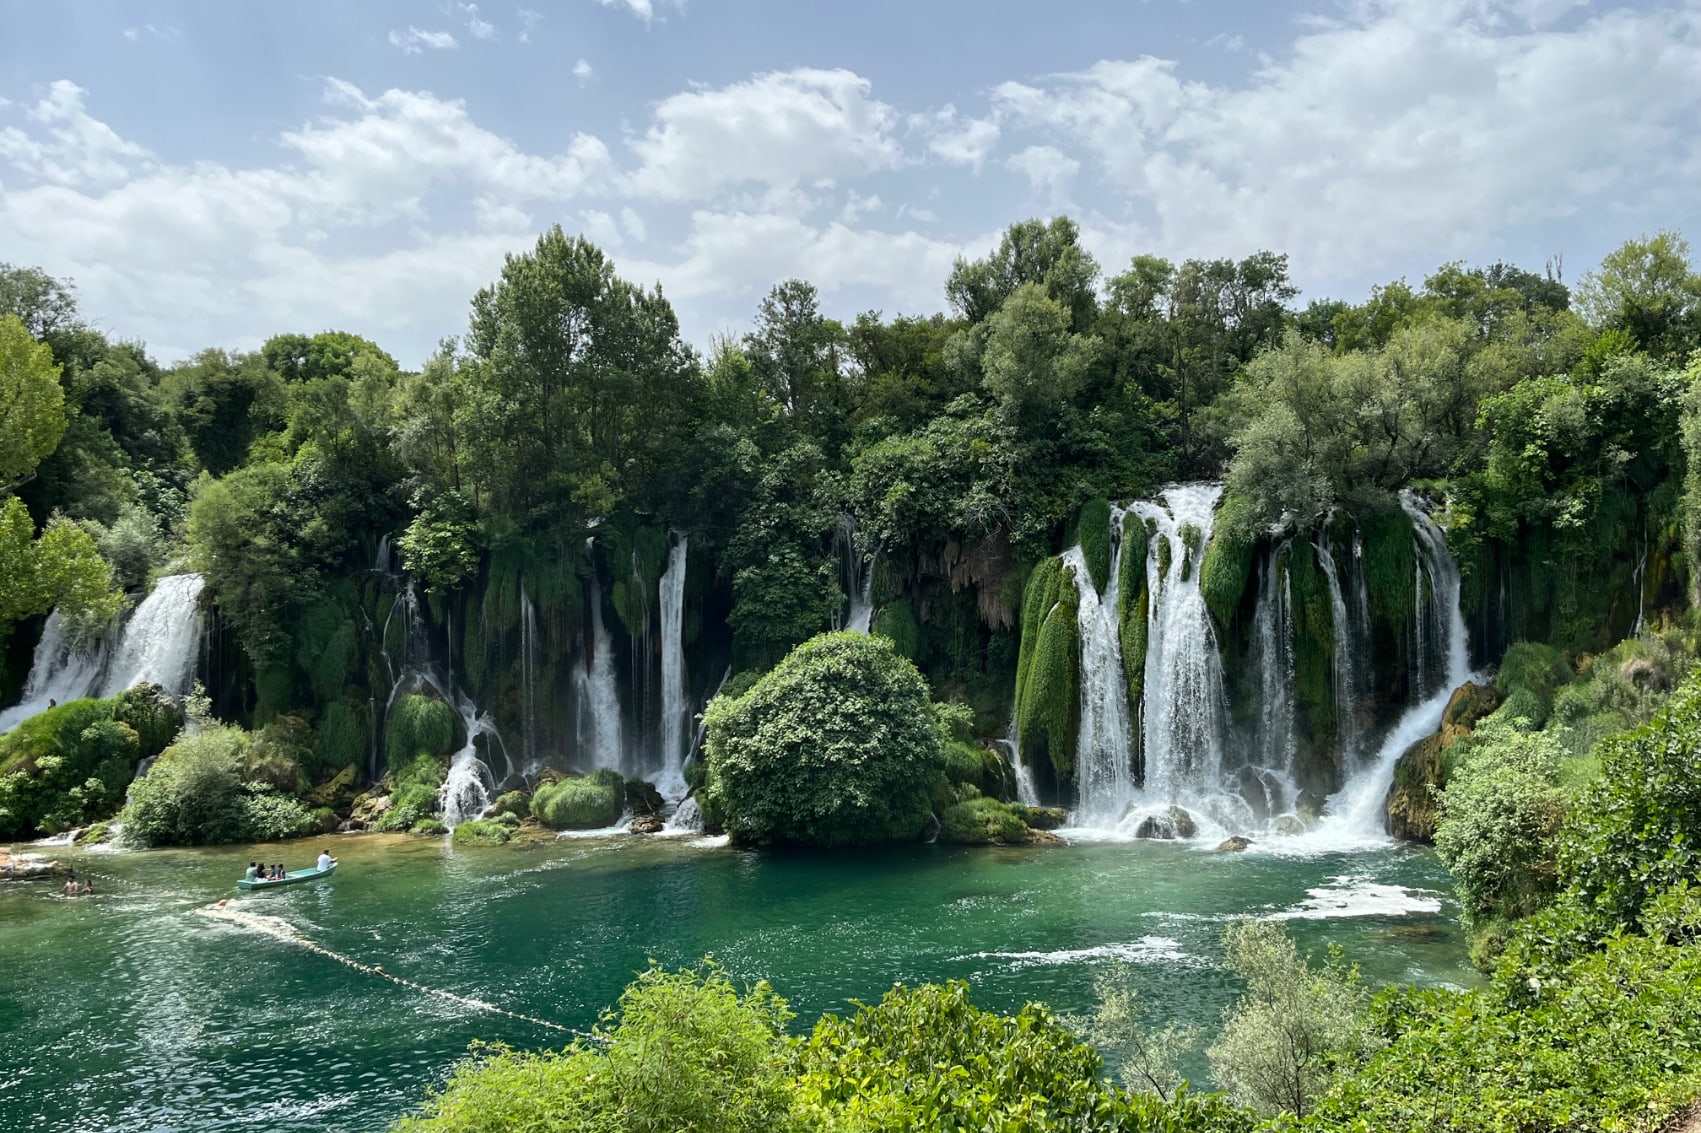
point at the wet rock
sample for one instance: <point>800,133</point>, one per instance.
<point>516,803</point>
<point>1234,845</point>
<point>25,867</point>
<point>1421,773</point>
<point>1288,825</point>
<point>1174,823</point>
<point>1043,838</point>
<point>642,797</point>
<point>1182,823</point>
<point>1042,817</point>
<point>1310,806</point>
<point>646,824</point>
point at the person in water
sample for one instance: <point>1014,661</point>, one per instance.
<point>71,886</point>
<point>88,888</point>
<point>325,860</point>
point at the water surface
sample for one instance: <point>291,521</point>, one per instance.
<point>131,1012</point>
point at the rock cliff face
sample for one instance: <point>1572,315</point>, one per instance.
<point>1422,771</point>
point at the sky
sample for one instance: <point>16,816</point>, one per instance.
<point>211,174</point>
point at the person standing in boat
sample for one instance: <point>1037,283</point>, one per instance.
<point>325,860</point>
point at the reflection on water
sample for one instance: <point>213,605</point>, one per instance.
<point>129,1012</point>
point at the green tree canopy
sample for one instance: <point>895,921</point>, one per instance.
<point>32,405</point>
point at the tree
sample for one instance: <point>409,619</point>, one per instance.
<point>62,569</point>
<point>1046,255</point>
<point>795,354</point>
<point>32,405</point>
<point>1295,1029</point>
<point>225,401</point>
<point>46,306</point>
<point>578,389</point>
<point>837,746</point>
<point>1033,364</point>
<point>1646,287</point>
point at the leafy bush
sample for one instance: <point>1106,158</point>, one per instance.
<point>194,795</point>
<point>418,725</point>
<point>590,803</point>
<point>839,745</point>
<point>927,1059</point>
<point>1611,1042</point>
<point>1287,1037</point>
<point>682,1052</point>
<point>1540,669</point>
<point>64,767</point>
<point>152,714</point>
<point>980,821</point>
<point>1500,819</point>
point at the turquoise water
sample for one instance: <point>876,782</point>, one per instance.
<point>130,1012</point>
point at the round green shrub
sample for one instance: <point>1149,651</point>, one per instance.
<point>418,725</point>
<point>194,795</point>
<point>839,745</point>
<point>590,803</point>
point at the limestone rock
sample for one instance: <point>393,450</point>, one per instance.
<point>1234,845</point>
<point>1422,770</point>
<point>1289,825</point>
<point>1044,817</point>
<point>646,824</point>
<point>339,788</point>
<point>1043,838</point>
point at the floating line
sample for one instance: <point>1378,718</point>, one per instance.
<point>279,929</point>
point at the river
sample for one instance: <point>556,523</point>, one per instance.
<point>129,1011</point>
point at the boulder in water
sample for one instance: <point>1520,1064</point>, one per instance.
<point>646,824</point>
<point>1041,817</point>
<point>1173,823</point>
<point>1043,838</point>
<point>1310,806</point>
<point>368,809</point>
<point>1234,845</point>
<point>1182,822</point>
<point>642,797</point>
<point>516,803</point>
<point>1289,825</point>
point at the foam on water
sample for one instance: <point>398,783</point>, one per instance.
<point>1357,896</point>
<point>1146,950</point>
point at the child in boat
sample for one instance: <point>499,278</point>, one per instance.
<point>278,872</point>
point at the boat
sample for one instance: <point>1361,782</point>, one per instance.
<point>291,878</point>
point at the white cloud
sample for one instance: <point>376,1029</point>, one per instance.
<point>1405,127</point>
<point>958,140</point>
<point>529,21</point>
<point>69,148</point>
<point>776,130</point>
<point>583,71</point>
<point>644,9</point>
<point>415,40</point>
<point>633,225</point>
<point>480,27</point>
<point>1048,170</point>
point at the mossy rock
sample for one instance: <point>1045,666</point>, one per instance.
<point>589,803</point>
<point>896,622</point>
<point>339,788</point>
<point>481,832</point>
<point>642,797</point>
<point>418,725</point>
<point>1093,530</point>
<point>1226,568</point>
<point>982,821</point>
<point>433,826</point>
<point>1041,817</point>
<point>1389,563</point>
<point>1050,703</point>
<point>515,803</point>
<point>1412,807</point>
<point>1038,597</point>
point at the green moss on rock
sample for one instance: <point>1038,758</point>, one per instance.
<point>982,821</point>
<point>1050,699</point>
<point>1227,566</point>
<point>1390,567</point>
<point>418,725</point>
<point>1093,526</point>
<point>590,803</point>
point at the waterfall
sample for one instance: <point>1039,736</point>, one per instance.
<point>1343,666</point>
<point>599,699</point>
<point>1185,703</point>
<point>1360,807</point>
<point>58,673</point>
<point>1641,587</point>
<point>856,575</point>
<point>528,675</point>
<point>1272,653</point>
<point>160,639</point>
<point>676,712</point>
<point>1104,749</point>
<point>687,818</point>
<point>467,790</point>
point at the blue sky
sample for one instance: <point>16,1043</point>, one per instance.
<point>211,174</point>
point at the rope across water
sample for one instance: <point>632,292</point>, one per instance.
<point>279,929</point>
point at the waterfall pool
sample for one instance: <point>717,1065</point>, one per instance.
<point>129,1011</point>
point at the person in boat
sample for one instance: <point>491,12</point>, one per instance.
<point>326,861</point>
<point>252,873</point>
<point>279,873</point>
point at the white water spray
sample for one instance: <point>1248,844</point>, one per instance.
<point>159,642</point>
<point>599,730</point>
<point>59,673</point>
<point>676,711</point>
<point>1104,750</point>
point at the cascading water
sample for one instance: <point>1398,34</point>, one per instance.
<point>1185,702</point>
<point>599,730</point>
<point>160,639</point>
<point>676,711</point>
<point>1359,811</point>
<point>1272,648</point>
<point>467,789</point>
<point>857,577</point>
<point>1104,751</point>
<point>59,673</point>
<point>1344,664</point>
<point>528,675</point>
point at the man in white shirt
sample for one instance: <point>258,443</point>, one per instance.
<point>325,860</point>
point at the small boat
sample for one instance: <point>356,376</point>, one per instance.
<point>290,878</point>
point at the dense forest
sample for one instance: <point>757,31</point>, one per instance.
<point>569,533</point>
